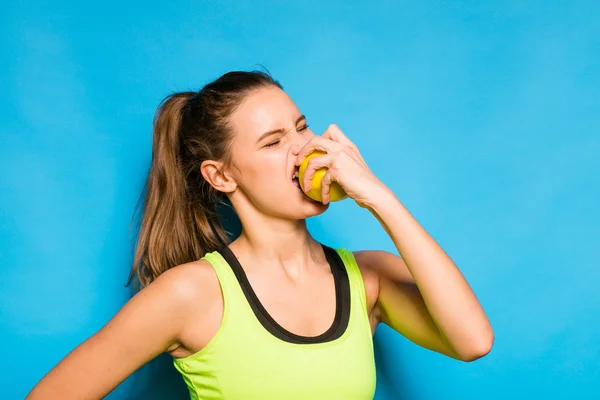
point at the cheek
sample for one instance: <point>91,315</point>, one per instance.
<point>263,171</point>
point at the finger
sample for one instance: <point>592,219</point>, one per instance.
<point>334,133</point>
<point>326,187</point>
<point>316,143</point>
<point>314,164</point>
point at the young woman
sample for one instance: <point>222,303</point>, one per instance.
<point>273,314</point>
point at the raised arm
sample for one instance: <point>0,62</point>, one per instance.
<point>436,306</point>
<point>399,303</point>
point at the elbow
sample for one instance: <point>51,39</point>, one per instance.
<point>476,355</point>
<point>481,347</point>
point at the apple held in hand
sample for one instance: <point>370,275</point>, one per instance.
<point>336,192</point>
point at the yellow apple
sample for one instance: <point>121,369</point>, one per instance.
<point>336,192</point>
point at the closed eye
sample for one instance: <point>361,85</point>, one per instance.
<point>276,142</point>
<point>273,143</point>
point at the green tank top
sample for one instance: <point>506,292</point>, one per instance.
<point>252,357</point>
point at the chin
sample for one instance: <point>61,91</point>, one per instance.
<point>312,208</point>
<point>297,206</point>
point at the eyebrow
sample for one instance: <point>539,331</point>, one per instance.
<point>280,130</point>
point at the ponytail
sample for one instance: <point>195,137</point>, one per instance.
<point>179,224</point>
<point>180,216</point>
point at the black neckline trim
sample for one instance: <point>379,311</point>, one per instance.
<point>342,299</point>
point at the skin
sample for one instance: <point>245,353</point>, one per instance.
<point>420,293</point>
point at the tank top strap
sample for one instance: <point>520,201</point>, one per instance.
<point>357,285</point>
<point>231,289</point>
<point>233,296</point>
<point>237,306</point>
<point>223,271</point>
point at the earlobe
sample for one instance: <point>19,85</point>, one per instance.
<point>213,172</point>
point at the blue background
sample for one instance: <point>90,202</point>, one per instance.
<point>483,117</point>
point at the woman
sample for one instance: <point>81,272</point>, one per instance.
<point>252,319</point>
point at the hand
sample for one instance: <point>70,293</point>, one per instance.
<point>344,165</point>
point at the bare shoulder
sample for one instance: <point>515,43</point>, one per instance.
<point>187,282</point>
<point>370,277</point>
<point>384,264</point>
<point>197,286</point>
<point>194,286</point>
<point>376,267</point>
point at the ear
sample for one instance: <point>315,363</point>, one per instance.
<point>216,175</point>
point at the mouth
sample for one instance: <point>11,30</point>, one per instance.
<point>295,180</point>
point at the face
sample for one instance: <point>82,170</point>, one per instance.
<point>269,130</point>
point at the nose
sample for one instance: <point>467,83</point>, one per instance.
<point>296,148</point>
<point>299,143</point>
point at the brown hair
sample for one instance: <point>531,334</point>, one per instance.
<point>179,218</point>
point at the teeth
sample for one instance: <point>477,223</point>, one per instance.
<point>295,174</point>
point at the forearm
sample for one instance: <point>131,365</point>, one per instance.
<point>449,299</point>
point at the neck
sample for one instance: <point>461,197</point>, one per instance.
<point>276,244</point>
